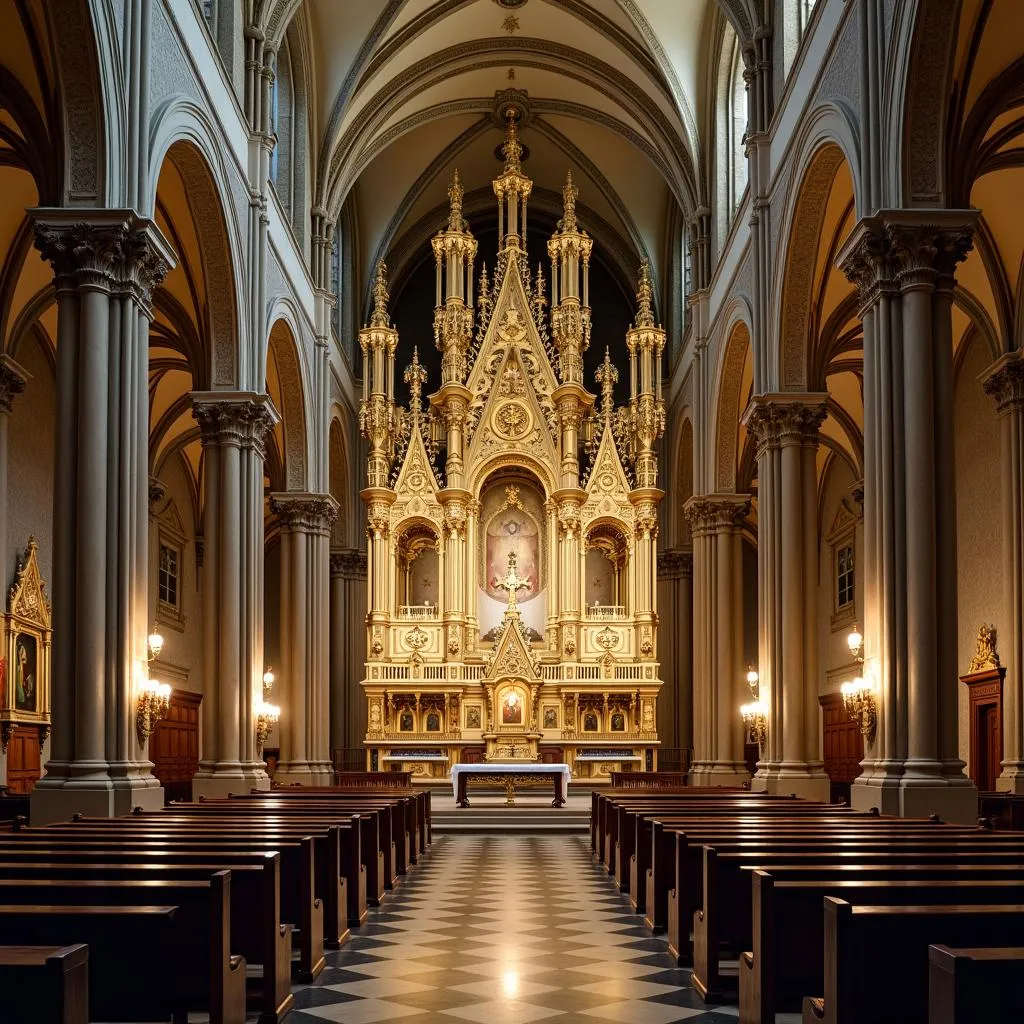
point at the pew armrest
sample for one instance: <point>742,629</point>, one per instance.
<point>814,1009</point>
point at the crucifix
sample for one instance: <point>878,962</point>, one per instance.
<point>511,582</point>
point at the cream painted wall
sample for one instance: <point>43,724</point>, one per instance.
<point>979,533</point>
<point>30,442</point>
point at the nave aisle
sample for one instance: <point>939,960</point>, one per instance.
<point>504,930</point>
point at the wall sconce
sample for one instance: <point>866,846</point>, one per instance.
<point>268,679</point>
<point>855,641</point>
<point>155,642</point>
<point>859,704</point>
<point>755,718</point>
<point>267,716</point>
<point>752,681</point>
<point>152,704</point>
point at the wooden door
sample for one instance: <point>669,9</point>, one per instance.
<point>842,746</point>
<point>24,767</point>
<point>988,731</point>
<point>174,746</point>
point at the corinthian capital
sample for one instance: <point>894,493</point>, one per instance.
<point>1004,381</point>
<point>12,382</point>
<point>785,418</point>
<point>239,418</point>
<point>709,514</point>
<point>302,512</point>
<point>115,249</point>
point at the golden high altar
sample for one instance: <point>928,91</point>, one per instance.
<point>512,525</point>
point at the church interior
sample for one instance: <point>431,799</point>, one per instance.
<point>412,407</point>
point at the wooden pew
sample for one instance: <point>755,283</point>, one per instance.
<point>299,905</point>
<point>724,919</point>
<point>256,930</point>
<point>134,948</point>
<point>45,984</point>
<point>876,958</point>
<point>967,985</point>
<point>787,959</point>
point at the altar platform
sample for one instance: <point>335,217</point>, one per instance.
<point>488,814</point>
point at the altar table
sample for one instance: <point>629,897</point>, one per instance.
<point>507,775</point>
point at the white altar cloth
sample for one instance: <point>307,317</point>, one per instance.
<point>509,768</point>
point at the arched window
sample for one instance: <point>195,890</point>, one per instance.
<point>731,160</point>
<point>288,122</point>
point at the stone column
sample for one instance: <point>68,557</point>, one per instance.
<point>1004,381</point>
<point>786,427</point>
<point>233,426</point>
<point>675,647</point>
<point>903,262</point>
<point>106,263</point>
<point>719,672</point>
<point>305,521</point>
<point>348,610</point>
<point>12,382</point>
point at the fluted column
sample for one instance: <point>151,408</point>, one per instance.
<point>719,686</point>
<point>1004,381</point>
<point>903,262</point>
<point>786,427</point>
<point>675,644</point>
<point>233,427</point>
<point>569,549</point>
<point>305,521</point>
<point>106,263</point>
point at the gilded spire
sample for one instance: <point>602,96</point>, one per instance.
<point>512,148</point>
<point>540,284</point>
<point>570,193</point>
<point>644,294</point>
<point>379,317</point>
<point>455,194</point>
<point>607,376</point>
<point>415,376</point>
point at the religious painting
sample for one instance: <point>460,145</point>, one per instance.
<point>512,710</point>
<point>433,722</point>
<point>551,718</point>
<point>618,722</point>
<point>405,721</point>
<point>26,672</point>
<point>590,721</point>
<point>472,716</point>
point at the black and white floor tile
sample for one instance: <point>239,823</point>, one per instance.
<point>504,930</point>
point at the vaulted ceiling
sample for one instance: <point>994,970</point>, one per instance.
<point>406,90</point>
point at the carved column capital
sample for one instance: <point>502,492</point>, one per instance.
<point>780,419</point>
<point>675,564</point>
<point>112,249</point>
<point>303,512</point>
<point>348,563</point>
<point>710,514</point>
<point>1004,381</point>
<point>12,382</point>
<point>239,418</point>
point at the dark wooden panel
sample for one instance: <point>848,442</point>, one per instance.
<point>24,767</point>
<point>842,746</point>
<point>174,745</point>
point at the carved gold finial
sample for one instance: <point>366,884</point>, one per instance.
<point>644,294</point>
<point>380,297</point>
<point>985,655</point>
<point>455,195</point>
<point>570,193</point>
<point>607,376</point>
<point>512,149</point>
<point>415,376</point>
<point>511,582</point>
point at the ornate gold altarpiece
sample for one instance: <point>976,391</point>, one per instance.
<point>512,525</point>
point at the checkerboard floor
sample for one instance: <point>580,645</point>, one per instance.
<point>504,930</point>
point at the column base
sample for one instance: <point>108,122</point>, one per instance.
<point>1012,779</point>
<point>722,773</point>
<point>806,781</point>
<point>217,781</point>
<point>300,773</point>
<point>953,798</point>
<point>96,789</point>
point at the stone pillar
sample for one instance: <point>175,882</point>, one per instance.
<point>305,522</point>
<point>348,611</point>
<point>106,263</point>
<point>786,427</point>
<point>1004,381</point>
<point>903,262</point>
<point>233,426</point>
<point>675,647</point>
<point>719,672</point>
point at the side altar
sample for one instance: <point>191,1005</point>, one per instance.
<point>512,523</point>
